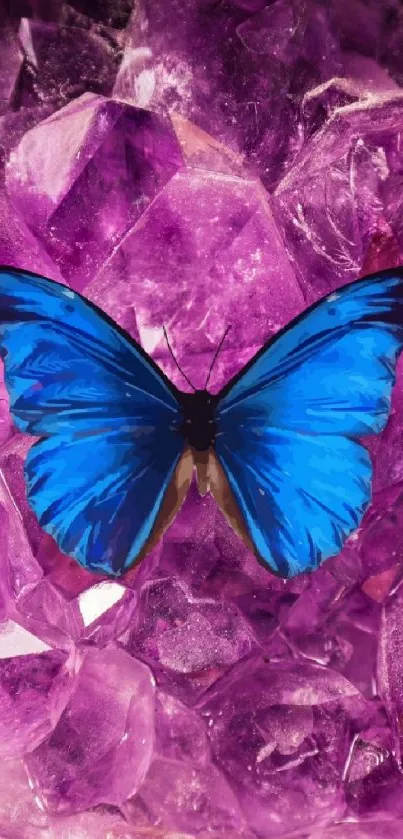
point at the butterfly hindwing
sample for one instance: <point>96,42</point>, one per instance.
<point>286,425</point>
<point>107,415</point>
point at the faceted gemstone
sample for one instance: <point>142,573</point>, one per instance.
<point>106,610</point>
<point>364,759</point>
<point>332,200</point>
<point>182,790</point>
<point>180,733</point>
<point>278,731</point>
<point>188,798</point>
<point>110,12</point>
<point>260,58</point>
<point>18,247</point>
<point>21,812</point>
<point>270,31</point>
<point>112,161</point>
<point>35,685</point>
<point>100,749</point>
<point>10,65</point>
<point>64,62</point>
<point>54,615</point>
<point>202,151</point>
<point>202,230</point>
<point>188,641</point>
<point>322,102</point>
<point>20,571</point>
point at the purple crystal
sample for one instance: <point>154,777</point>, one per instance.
<point>64,62</point>
<point>187,798</point>
<point>253,91</point>
<point>188,641</point>
<point>248,160</point>
<point>270,31</point>
<point>112,161</point>
<point>10,65</point>
<point>182,789</point>
<point>165,264</point>
<point>278,732</point>
<point>100,748</point>
<point>328,221</point>
<point>35,685</point>
<point>18,247</point>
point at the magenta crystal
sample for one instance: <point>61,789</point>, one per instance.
<point>65,61</point>
<point>188,641</point>
<point>35,685</point>
<point>166,263</point>
<point>278,729</point>
<point>100,748</point>
<point>10,66</point>
<point>112,161</point>
<point>201,165</point>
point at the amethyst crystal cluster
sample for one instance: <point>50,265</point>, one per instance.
<point>202,163</point>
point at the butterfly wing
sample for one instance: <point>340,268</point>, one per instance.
<point>287,423</point>
<point>108,416</point>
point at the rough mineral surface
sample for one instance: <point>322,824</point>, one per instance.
<point>199,164</point>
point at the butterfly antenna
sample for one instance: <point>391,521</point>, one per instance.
<point>216,355</point>
<point>172,354</point>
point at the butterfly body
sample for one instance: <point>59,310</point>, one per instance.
<point>199,425</point>
<point>278,447</point>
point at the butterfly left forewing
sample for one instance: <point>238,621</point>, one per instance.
<point>107,416</point>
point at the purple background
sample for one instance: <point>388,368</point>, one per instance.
<point>202,163</point>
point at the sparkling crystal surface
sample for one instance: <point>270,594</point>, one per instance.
<point>201,165</point>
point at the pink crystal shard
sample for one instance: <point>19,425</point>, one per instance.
<point>100,748</point>
<point>65,61</point>
<point>166,262</point>
<point>197,165</point>
<point>10,65</point>
<point>112,161</point>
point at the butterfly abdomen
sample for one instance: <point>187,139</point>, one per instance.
<point>199,424</point>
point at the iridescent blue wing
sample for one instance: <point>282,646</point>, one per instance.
<point>287,423</point>
<point>108,415</point>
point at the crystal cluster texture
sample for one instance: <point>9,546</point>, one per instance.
<point>198,164</point>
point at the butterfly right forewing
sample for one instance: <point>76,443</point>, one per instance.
<point>288,425</point>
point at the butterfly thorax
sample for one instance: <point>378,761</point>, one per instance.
<point>199,424</point>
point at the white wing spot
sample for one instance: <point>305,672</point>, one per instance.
<point>332,298</point>
<point>262,492</point>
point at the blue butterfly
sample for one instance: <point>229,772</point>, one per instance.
<point>277,446</point>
